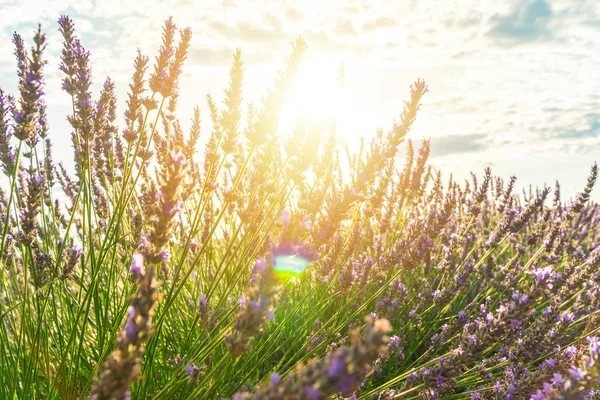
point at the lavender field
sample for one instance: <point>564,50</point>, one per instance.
<point>264,265</point>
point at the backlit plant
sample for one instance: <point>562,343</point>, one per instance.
<point>273,265</point>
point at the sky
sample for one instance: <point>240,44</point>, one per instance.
<point>512,84</point>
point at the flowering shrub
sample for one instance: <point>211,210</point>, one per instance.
<point>261,268</point>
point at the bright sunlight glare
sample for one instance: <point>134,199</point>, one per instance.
<point>317,95</point>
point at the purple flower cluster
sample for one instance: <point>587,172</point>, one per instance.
<point>255,310</point>
<point>267,252</point>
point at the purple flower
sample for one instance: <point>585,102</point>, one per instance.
<point>76,251</point>
<point>542,274</point>
<point>549,363</point>
<point>594,344</point>
<point>19,117</point>
<point>347,383</point>
<point>557,379</point>
<point>439,380</point>
<point>137,264</point>
<point>568,317</point>
<point>130,329</point>
<point>275,378</point>
<point>189,369</point>
<point>515,324</point>
<point>172,207</point>
<point>85,103</point>
<point>394,341</point>
<point>538,395</point>
<point>547,310</point>
<point>311,393</point>
<point>260,266</point>
<point>256,305</point>
<point>576,373</point>
<point>337,367</point>
<point>270,314</point>
<point>571,351</point>
<point>524,299</point>
<point>203,301</point>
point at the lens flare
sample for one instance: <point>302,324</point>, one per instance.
<point>294,251</point>
<point>289,266</point>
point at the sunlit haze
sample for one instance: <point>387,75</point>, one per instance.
<point>513,84</point>
<point>301,200</point>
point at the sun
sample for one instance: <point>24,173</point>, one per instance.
<point>317,94</point>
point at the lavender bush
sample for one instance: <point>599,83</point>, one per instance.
<point>165,272</point>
